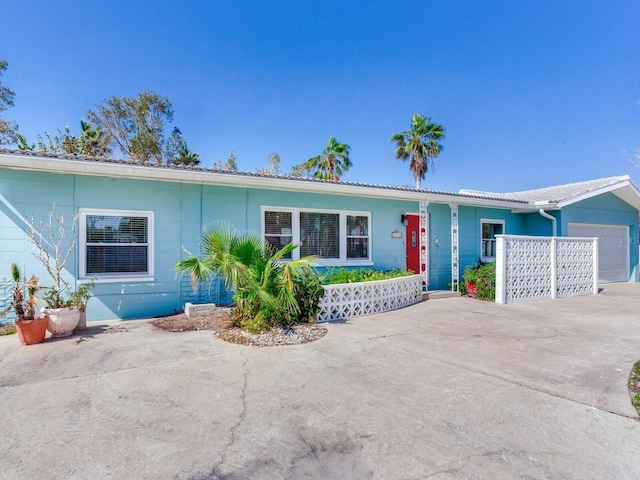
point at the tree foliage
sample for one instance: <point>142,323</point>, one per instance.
<point>273,165</point>
<point>419,144</point>
<point>229,165</point>
<point>332,162</point>
<point>8,128</point>
<point>137,127</point>
<point>92,142</point>
<point>178,151</point>
<point>301,170</point>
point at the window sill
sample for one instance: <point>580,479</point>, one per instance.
<point>343,263</point>
<point>117,279</point>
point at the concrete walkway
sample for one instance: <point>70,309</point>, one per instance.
<point>452,388</point>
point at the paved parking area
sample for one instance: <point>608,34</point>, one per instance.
<point>451,388</point>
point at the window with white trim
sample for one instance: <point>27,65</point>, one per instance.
<point>116,244</point>
<point>357,236</point>
<point>334,237</point>
<point>488,231</point>
<point>277,229</point>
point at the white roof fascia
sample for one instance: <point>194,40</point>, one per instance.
<point>47,164</point>
<point>625,190</point>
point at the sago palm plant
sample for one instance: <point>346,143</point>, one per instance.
<point>264,285</point>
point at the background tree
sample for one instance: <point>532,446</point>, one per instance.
<point>420,145</point>
<point>64,143</point>
<point>8,129</point>
<point>301,170</point>
<point>273,165</point>
<point>187,158</point>
<point>332,162</point>
<point>178,151</point>
<point>92,142</point>
<point>230,165</point>
<point>136,126</point>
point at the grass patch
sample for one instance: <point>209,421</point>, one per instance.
<point>7,330</point>
<point>634,386</point>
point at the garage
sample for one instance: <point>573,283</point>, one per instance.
<point>613,249</point>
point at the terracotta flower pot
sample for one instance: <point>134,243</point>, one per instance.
<point>62,321</point>
<point>32,331</point>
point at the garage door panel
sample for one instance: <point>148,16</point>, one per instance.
<point>613,249</point>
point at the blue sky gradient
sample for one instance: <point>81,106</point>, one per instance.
<point>530,93</point>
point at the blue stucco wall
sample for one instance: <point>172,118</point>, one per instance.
<point>537,225</point>
<point>470,234</point>
<point>180,213</point>
<point>610,210</point>
<point>469,219</point>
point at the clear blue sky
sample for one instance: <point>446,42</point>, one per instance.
<point>531,93</point>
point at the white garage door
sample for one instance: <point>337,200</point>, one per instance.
<point>613,249</point>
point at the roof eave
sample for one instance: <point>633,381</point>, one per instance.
<point>625,190</point>
<point>47,164</point>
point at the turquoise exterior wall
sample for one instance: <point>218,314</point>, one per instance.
<point>469,238</point>
<point>180,213</point>
<point>537,225</point>
<point>610,210</point>
<point>182,210</point>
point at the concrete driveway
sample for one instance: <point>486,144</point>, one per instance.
<point>451,388</point>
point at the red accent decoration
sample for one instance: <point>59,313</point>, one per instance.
<point>471,289</point>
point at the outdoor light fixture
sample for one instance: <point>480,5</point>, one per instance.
<point>404,220</point>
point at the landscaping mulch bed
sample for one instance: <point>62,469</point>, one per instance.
<point>7,330</point>
<point>221,323</point>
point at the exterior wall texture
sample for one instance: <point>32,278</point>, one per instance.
<point>181,211</point>
<point>606,209</point>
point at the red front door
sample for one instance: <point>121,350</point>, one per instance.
<point>413,243</point>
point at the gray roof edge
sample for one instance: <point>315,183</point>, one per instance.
<point>209,171</point>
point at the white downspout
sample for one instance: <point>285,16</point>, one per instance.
<point>554,228</point>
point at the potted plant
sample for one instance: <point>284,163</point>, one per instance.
<point>63,316</point>
<point>80,298</point>
<point>480,280</point>
<point>54,246</point>
<point>31,328</point>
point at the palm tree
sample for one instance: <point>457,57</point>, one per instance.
<point>333,161</point>
<point>265,287</point>
<point>186,157</point>
<point>420,144</point>
<point>94,142</point>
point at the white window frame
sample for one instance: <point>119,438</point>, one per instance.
<point>115,277</point>
<point>342,260</point>
<point>494,221</point>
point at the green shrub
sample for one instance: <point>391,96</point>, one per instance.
<point>308,291</point>
<point>483,276</point>
<point>264,286</point>
<point>334,276</point>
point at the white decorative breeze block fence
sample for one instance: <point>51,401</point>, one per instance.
<point>536,268</point>
<point>350,300</point>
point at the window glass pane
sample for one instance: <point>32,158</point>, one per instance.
<point>489,232</point>
<point>357,248</point>
<point>278,223</point>
<point>279,242</point>
<point>277,227</point>
<point>116,259</point>
<point>107,229</point>
<point>320,234</point>
<point>357,225</point>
